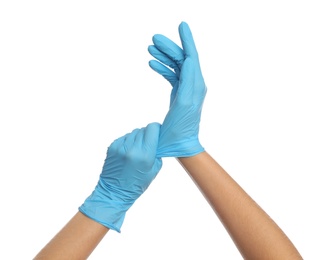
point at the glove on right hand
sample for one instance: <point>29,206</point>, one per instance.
<point>130,166</point>
<point>180,129</point>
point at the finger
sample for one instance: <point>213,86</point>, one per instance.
<point>115,145</point>
<point>164,71</point>
<point>168,47</point>
<point>130,139</point>
<point>147,141</point>
<point>187,80</point>
<point>157,54</point>
<point>151,137</point>
<point>187,40</point>
<point>138,139</point>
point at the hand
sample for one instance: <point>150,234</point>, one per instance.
<point>180,129</point>
<point>130,166</point>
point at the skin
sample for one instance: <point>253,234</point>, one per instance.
<point>76,240</point>
<point>131,160</point>
<point>254,233</point>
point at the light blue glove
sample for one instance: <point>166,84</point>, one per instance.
<point>180,129</point>
<point>130,166</point>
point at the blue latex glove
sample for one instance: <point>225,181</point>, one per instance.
<point>130,166</point>
<point>180,129</point>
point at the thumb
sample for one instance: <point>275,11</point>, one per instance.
<point>151,136</point>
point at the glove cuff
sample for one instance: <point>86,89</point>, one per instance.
<point>188,149</point>
<point>102,207</point>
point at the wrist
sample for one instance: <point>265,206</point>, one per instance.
<point>104,207</point>
<point>180,149</point>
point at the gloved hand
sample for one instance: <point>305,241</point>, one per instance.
<point>130,166</point>
<point>180,129</point>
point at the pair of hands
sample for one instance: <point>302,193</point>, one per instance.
<point>133,160</point>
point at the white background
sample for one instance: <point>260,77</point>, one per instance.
<point>74,76</point>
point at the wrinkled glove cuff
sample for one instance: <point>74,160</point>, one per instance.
<point>103,208</point>
<point>180,150</point>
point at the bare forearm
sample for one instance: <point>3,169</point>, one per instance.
<point>76,240</point>
<point>255,234</point>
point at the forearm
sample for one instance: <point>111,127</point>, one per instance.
<point>76,240</point>
<point>255,234</point>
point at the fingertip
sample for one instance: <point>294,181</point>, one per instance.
<point>151,63</point>
<point>187,39</point>
<point>149,48</point>
<point>157,66</point>
<point>160,41</point>
<point>156,37</point>
<point>183,23</point>
<point>154,64</point>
